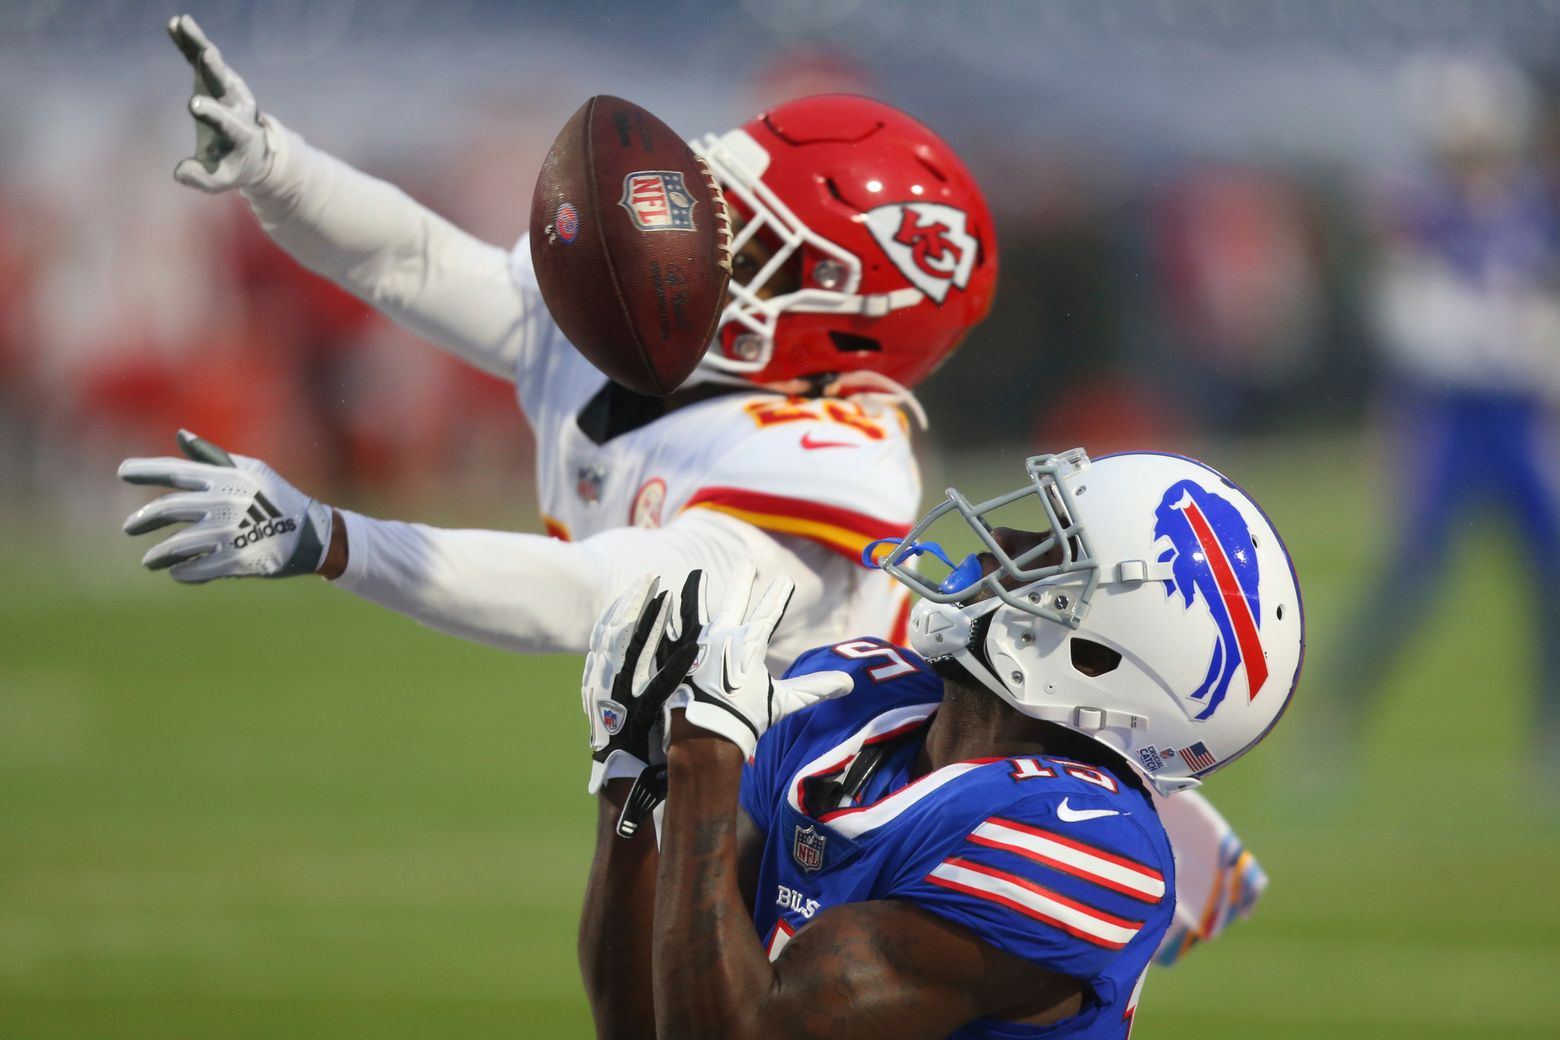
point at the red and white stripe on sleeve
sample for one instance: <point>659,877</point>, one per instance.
<point>1084,885</point>
<point>1072,857</point>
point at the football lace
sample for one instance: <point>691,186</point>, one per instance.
<point>722,215</point>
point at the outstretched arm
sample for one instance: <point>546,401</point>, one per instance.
<point>527,592</point>
<point>522,592</point>
<point>365,235</point>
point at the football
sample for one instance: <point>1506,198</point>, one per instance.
<point>632,244</point>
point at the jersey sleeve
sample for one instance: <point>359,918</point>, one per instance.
<point>1068,896</point>
<point>547,358</point>
<point>827,471</point>
<point>527,592</point>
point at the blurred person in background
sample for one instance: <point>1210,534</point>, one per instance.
<point>1466,307</point>
<point>20,399</point>
<point>786,451</point>
<point>1240,293</point>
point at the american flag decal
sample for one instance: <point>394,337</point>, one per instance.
<point>1198,757</point>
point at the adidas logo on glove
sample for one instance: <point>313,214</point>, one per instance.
<point>262,525</point>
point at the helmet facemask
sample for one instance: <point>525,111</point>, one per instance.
<point>827,275</point>
<point>1176,648</point>
<point>1016,581</point>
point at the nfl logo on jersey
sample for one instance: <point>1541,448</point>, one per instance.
<point>808,848</point>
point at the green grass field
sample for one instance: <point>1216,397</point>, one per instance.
<point>269,809</point>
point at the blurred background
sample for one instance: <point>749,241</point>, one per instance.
<point>1314,243</point>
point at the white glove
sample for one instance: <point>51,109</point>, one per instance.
<point>231,150</point>
<point>730,693</point>
<point>629,672</point>
<point>245,520</point>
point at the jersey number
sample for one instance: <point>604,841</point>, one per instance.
<point>1029,769</point>
<point>863,649</point>
<point>797,409</point>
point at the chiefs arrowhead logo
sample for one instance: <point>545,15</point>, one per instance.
<point>930,244</point>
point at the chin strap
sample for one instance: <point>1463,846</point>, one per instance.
<point>879,391</point>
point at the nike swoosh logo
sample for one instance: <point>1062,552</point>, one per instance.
<point>1067,814</point>
<point>808,444</point>
<point>725,678</point>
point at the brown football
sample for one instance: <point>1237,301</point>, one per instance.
<point>632,244</point>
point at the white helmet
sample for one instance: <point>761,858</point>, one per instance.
<point>1156,558</point>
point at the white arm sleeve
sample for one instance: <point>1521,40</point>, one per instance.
<point>374,240</point>
<point>534,594</point>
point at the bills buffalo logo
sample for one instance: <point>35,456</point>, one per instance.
<point>1212,559</point>
<point>930,244</point>
<point>658,200</point>
<point>807,849</point>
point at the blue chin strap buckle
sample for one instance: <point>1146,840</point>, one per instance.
<point>960,577</point>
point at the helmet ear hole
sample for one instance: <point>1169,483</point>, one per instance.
<point>852,344</point>
<point>1092,658</point>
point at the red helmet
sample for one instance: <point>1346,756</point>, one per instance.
<point>870,245</point>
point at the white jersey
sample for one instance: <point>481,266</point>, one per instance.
<point>830,472</point>
<point>798,488</point>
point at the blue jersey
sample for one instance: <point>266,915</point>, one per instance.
<point>1048,859</point>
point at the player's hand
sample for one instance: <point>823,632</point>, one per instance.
<point>685,622</point>
<point>684,625</point>
<point>231,150</point>
<point>245,520</point>
<point>730,692</point>
<point>627,679</point>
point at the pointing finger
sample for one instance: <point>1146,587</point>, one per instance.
<point>197,39</point>
<point>186,36</point>
<point>225,82</point>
